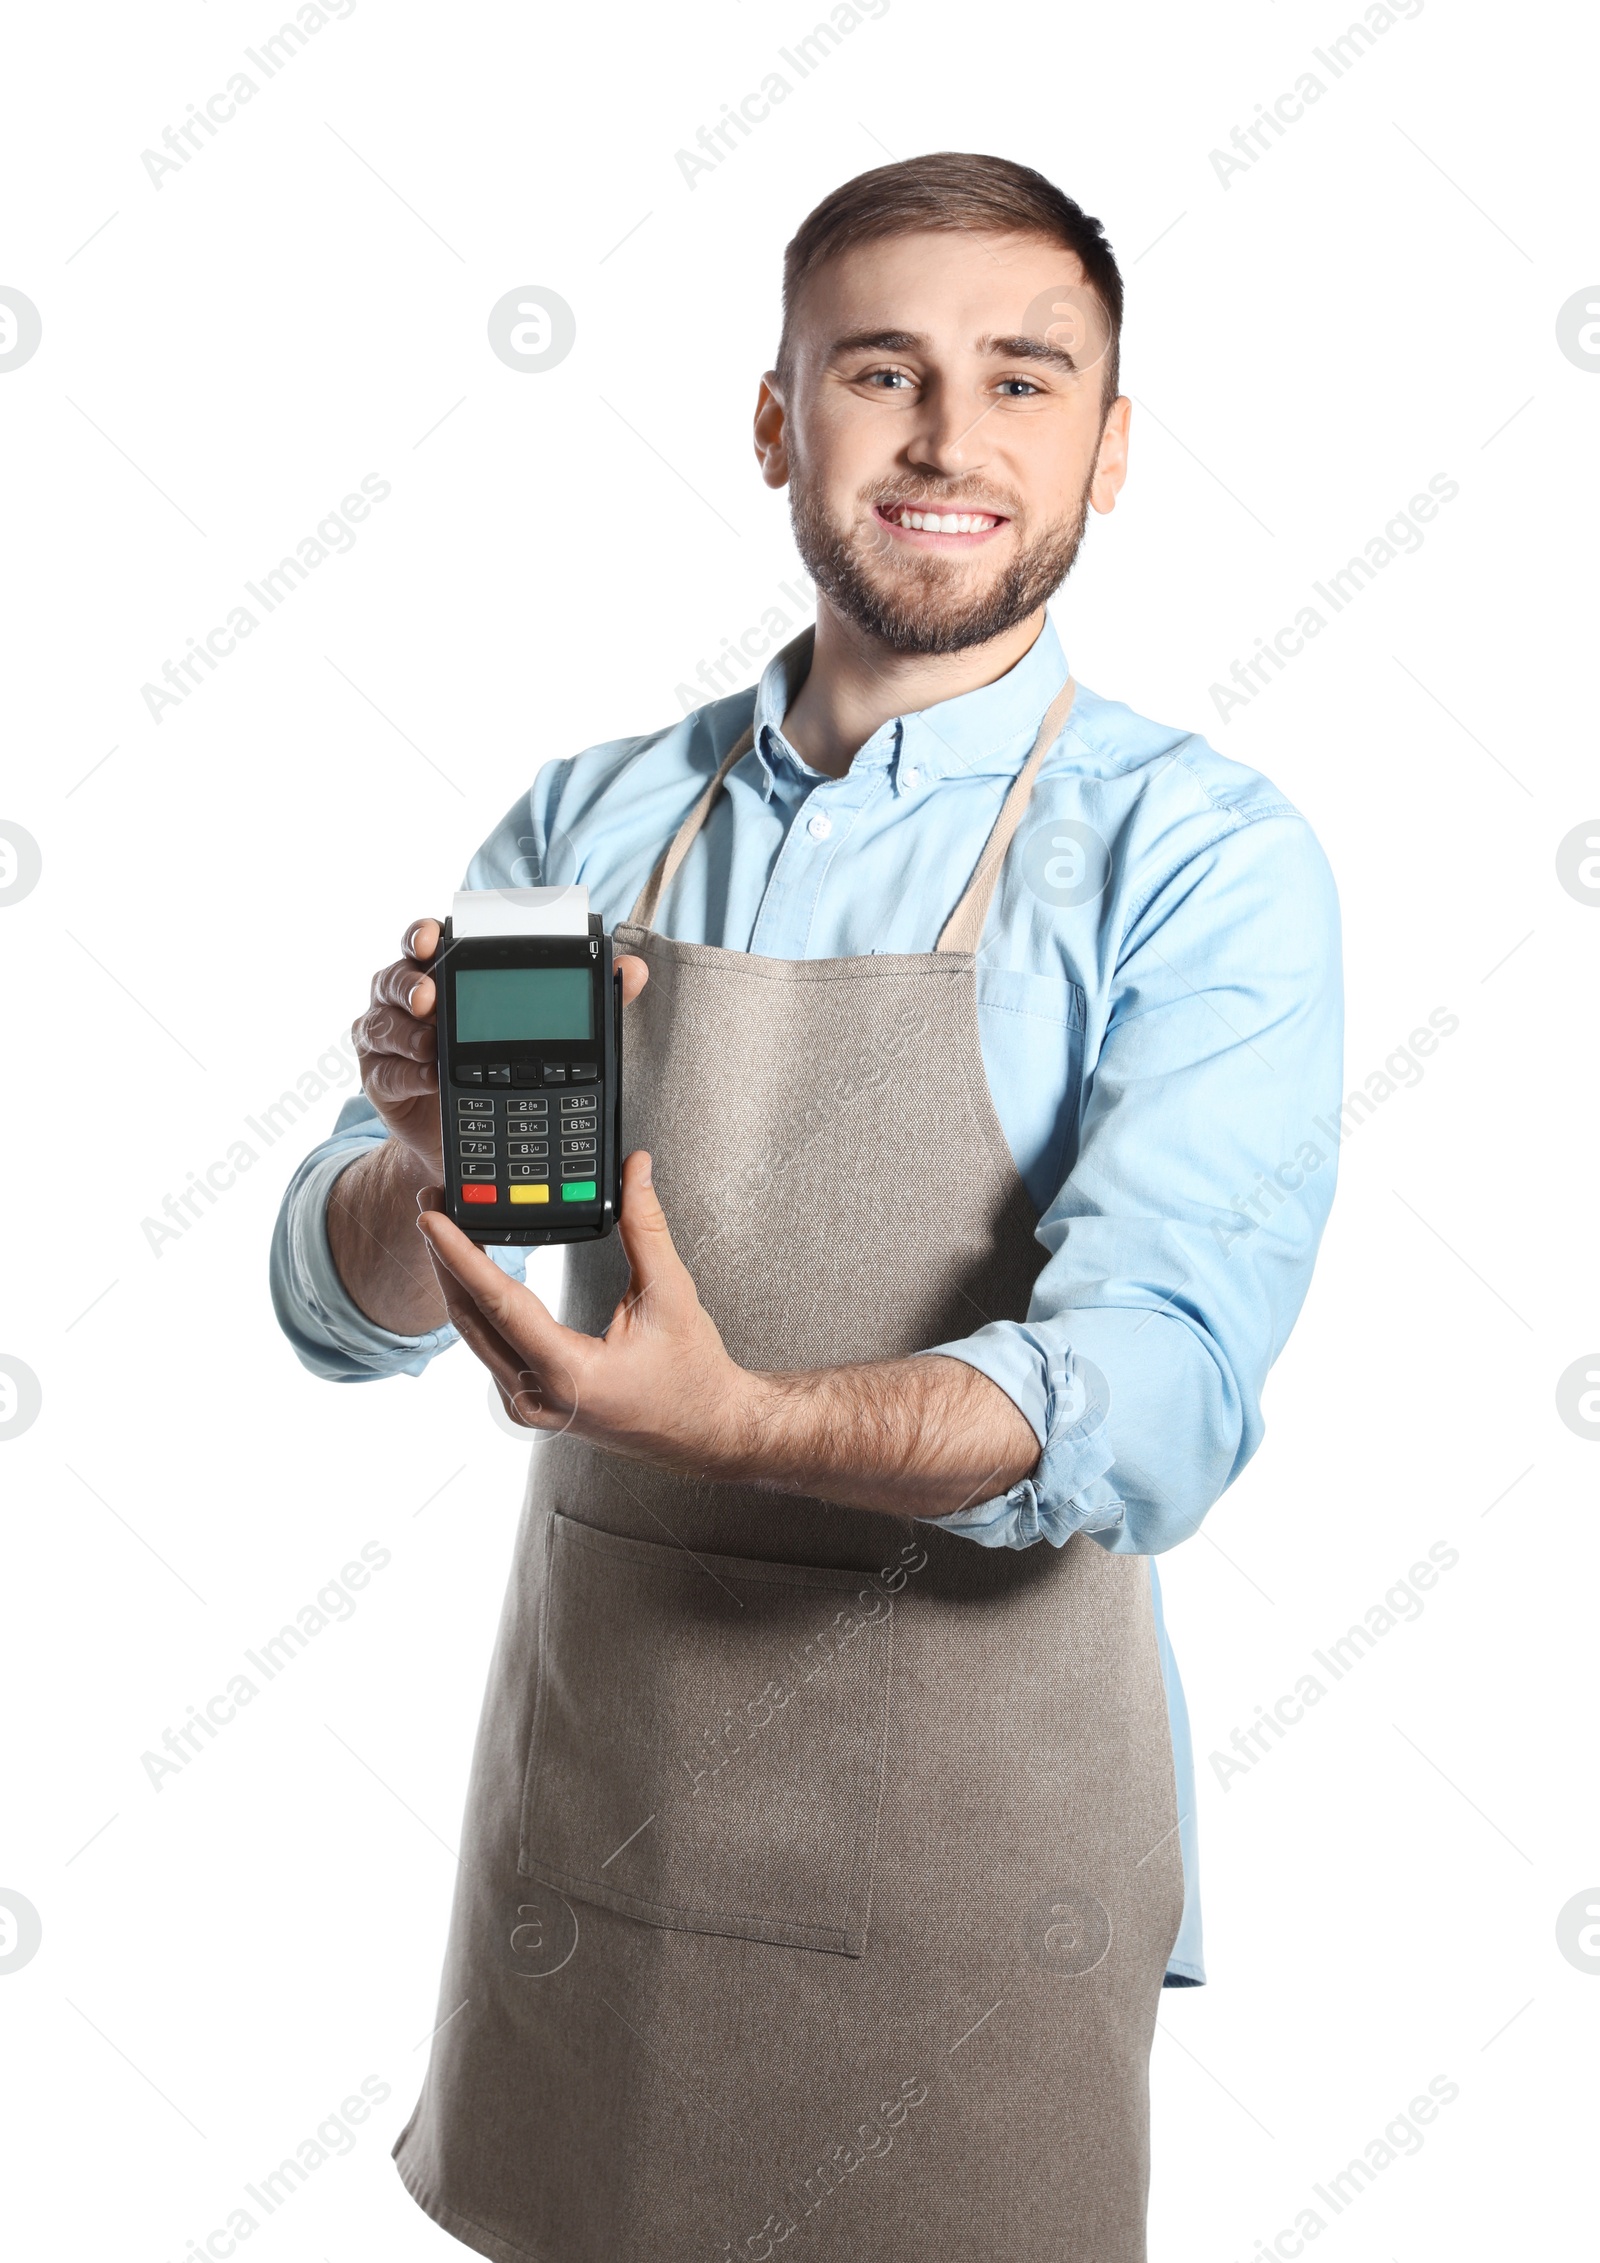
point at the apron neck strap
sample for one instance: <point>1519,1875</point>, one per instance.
<point>963,931</point>
<point>650,895</point>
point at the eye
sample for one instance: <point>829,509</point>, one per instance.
<point>1018,388</point>
<point>885,380</point>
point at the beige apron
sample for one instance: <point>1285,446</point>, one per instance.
<point>820,1867</point>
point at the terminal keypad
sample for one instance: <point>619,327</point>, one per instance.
<point>517,1138</point>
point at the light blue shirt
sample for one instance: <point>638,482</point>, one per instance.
<point>1159,1013</point>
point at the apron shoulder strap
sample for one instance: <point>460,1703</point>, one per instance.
<point>650,895</point>
<point>963,930</point>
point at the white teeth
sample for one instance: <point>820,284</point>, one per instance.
<point>946,522</point>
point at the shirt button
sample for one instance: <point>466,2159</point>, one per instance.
<point>819,827</point>
<point>911,777</point>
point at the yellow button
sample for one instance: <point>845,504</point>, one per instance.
<point>530,1194</point>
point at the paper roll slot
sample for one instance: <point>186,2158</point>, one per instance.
<point>520,911</point>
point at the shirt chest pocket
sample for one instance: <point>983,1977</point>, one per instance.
<point>708,1736</point>
<point>1032,1028</point>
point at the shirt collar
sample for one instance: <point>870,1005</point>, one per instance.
<point>979,733</point>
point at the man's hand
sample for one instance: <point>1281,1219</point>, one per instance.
<point>372,1208</point>
<point>908,1437</point>
<point>658,1386</point>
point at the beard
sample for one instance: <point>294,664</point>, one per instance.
<point>920,603</point>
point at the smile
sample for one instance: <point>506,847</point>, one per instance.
<point>942,530</point>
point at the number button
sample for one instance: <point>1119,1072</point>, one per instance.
<point>477,1147</point>
<point>528,1147</point>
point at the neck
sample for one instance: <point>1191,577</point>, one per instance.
<point>856,685</point>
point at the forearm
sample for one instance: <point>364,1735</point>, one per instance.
<point>916,1437</point>
<point>373,1239</point>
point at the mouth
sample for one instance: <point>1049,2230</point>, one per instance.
<point>927,529</point>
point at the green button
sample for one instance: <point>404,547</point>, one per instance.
<point>581,1190</point>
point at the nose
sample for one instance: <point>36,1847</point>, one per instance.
<point>948,436</point>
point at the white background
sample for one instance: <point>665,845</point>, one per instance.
<point>1372,302</point>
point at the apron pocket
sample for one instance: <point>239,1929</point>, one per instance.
<point>708,1739</point>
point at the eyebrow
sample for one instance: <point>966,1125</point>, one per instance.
<point>1013,348</point>
<point>878,342</point>
<point>1027,349</point>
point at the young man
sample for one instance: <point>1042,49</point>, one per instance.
<point>829,1837</point>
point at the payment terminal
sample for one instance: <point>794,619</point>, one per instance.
<point>530,1060</point>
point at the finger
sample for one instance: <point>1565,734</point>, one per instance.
<point>406,986</point>
<point>481,1338</point>
<point>474,1324</point>
<point>528,1328</point>
<point>390,1029</point>
<point>538,1397</point>
<point>521,1388</point>
<point>653,1264</point>
<point>525,1404</point>
<point>421,939</point>
<point>635,974</point>
<point>389,1078</point>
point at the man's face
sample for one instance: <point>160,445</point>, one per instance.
<point>943,375</point>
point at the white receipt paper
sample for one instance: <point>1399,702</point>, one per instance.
<point>520,911</point>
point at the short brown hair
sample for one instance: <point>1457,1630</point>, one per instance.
<point>952,189</point>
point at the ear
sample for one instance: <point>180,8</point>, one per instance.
<point>1111,463</point>
<point>771,427</point>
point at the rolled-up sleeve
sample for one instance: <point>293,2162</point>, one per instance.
<point>1181,1242</point>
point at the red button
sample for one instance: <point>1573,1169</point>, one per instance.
<point>477,1194</point>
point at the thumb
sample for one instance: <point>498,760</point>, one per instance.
<point>645,1235</point>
